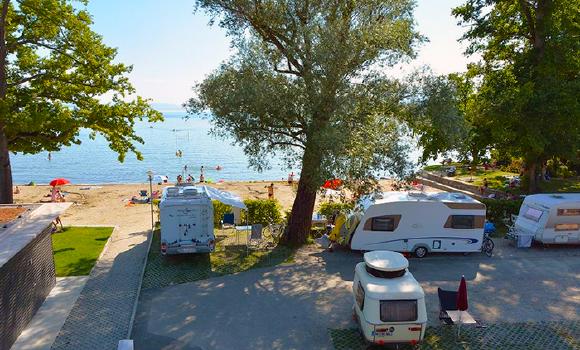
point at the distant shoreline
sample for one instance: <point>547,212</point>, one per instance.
<point>155,183</point>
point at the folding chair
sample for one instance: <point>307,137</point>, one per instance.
<point>447,302</point>
<point>228,220</point>
<point>256,237</point>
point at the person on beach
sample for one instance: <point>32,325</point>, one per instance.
<point>270,191</point>
<point>291,178</point>
<point>201,175</point>
<point>179,179</point>
<point>189,179</point>
<point>56,196</point>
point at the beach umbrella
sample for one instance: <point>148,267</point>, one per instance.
<point>59,182</point>
<point>332,184</point>
<point>462,304</point>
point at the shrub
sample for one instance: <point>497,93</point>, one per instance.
<point>262,211</point>
<point>219,209</point>
<point>497,209</point>
<point>329,208</point>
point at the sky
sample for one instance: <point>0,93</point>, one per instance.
<point>171,48</point>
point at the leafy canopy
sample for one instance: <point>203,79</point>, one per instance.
<point>306,83</point>
<point>527,83</point>
<point>58,73</point>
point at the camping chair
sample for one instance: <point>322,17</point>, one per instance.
<point>256,237</point>
<point>228,220</point>
<point>447,302</point>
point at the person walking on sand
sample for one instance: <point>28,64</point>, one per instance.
<point>270,191</point>
<point>201,175</point>
<point>291,178</point>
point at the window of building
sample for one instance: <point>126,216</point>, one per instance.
<point>567,227</point>
<point>398,310</point>
<point>569,212</point>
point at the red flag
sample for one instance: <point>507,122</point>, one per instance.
<point>462,295</point>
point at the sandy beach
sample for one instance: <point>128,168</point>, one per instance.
<point>108,204</point>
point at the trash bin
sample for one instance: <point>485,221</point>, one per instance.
<point>524,240</point>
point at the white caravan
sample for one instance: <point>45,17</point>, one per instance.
<point>551,218</point>
<point>420,223</point>
<point>186,215</point>
<point>389,304</point>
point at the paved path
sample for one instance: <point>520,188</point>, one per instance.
<point>102,313</point>
<point>46,323</point>
<point>293,307</point>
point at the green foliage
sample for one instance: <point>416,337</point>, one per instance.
<point>498,209</point>
<point>55,73</point>
<point>76,249</point>
<point>219,209</point>
<point>527,82</point>
<point>329,208</point>
<point>262,211</point>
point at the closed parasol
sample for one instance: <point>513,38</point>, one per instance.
<point>59,182</point>
<point>461,302</point>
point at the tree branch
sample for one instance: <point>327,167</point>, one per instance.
<point>27,79</point>
<point>525,6</point>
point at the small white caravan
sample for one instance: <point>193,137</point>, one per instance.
<point>420,223</point>
<point>389,304</point>
<point>551,218</point>
<point>186,215</point>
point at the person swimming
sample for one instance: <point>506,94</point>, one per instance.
<point>218,168</point>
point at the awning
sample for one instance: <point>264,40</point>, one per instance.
<point>224,197</point>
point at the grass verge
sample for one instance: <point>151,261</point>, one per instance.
<point>76,249</point>
<point>162,271</point>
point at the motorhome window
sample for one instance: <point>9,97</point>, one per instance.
<point>398,310</point>
<point>383,223</point>
<point>384,274</point>
<point>462,221</point>
<point>533,214</point>
<point>568,212</point>
<point>567,227</point>
<point>360,296</point>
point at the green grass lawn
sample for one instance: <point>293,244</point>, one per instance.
<point>162,271</point>
<point>76,249</point>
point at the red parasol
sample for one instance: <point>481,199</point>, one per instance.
<point>332,184</point>
<point>462,295</point>
<point>59,182</point>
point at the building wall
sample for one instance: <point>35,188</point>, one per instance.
<point>25,281</point>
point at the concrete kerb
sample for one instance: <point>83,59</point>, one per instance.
<point>132,320</point>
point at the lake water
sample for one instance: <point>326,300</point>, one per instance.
<point>93,162</point>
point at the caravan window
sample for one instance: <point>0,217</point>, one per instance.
<point>568,212</point>
<point>360,296</point>
<point>567,227</point>
<point>398,310</point>
<point>462,221</point>
<point>533,214</point>
<point>383,223</point>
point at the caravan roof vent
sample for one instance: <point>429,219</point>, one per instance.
<point>557,196</point>
<point>172,191</point>
<point>190,192</point>
<point>417,194</point>
<point>458,196</point>
<point>385,264</point>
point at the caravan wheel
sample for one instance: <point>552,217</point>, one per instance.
<point>420,252</point>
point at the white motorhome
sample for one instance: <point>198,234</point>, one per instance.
<point>420,223</point>
<point>551,218</point>
<point>389,304</point>
<point>186,215</point>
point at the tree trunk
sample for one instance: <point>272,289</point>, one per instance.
<point>532,178</point>
<point>6,194</point>
<point>301,217</point>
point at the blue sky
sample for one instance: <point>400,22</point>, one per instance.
<point>171,48</point>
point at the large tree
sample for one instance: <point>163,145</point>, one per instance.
<point>306,84</point>
<point>527,81</point>
<point>54,74</point>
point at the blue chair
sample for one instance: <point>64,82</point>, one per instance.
<point>228,220</point>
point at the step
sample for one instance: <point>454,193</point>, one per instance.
<point>446,188</point>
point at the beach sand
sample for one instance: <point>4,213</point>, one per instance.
<point>108,204</point>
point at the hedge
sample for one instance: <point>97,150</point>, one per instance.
<point>498,209</point>
<point>329,208</point>
<point>262,211</point>
<point>219,209</point>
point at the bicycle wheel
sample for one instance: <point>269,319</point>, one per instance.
<point>487,247</point>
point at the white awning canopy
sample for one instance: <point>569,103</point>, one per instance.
<point>222,196</point>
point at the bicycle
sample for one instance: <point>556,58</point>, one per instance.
<point>487,245</point>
